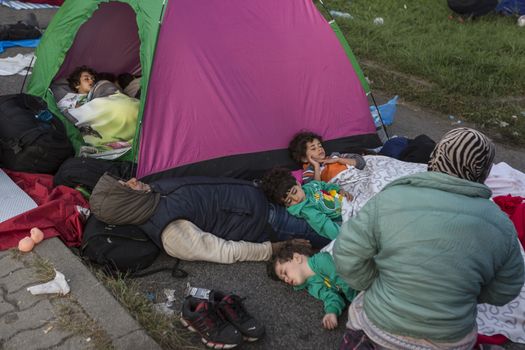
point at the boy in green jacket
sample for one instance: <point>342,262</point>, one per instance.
<point>318,202</point>
<point>295,265</point>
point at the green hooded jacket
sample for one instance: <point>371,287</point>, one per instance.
<point>321,206</point>
<point>426,250</point>
<point>325,285</point>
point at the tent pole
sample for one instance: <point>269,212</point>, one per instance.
<point>27,73</point>
<point>379,114</point>
<point>371,94</point>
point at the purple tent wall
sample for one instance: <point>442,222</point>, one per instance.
<point>107,42</point>
<point>237,76</point>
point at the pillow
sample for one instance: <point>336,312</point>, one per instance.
<point>60,88</point>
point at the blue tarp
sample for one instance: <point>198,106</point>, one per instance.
<point>24,43</point>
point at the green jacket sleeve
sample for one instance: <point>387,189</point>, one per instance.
<point>319,221</point>
<point>328,186</point>
<point>508,281</point>
<point>333,302</point>
<point>355,248</point>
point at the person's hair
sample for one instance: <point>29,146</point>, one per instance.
<point>124,79</point>
<point>106,76</point>
<point>276,184</point>
<point>297,147</point>
<point>286,254</point>
<point>74,78</point>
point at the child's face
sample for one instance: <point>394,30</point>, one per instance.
<point>292,272</point>
<point>294,196</point>
<point>86,83</point>
<point>315,150</point>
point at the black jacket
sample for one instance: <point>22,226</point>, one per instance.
<point>228,208</point>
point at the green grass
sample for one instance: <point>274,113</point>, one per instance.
<point>473,70</point>
<point>166,330</point>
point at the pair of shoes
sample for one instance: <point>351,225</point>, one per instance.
<point>222,322</point>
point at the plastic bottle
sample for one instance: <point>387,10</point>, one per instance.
<point>341,14</point>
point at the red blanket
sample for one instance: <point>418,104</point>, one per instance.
<point>61,211</point>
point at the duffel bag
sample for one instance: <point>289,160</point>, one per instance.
<point>31,139</point>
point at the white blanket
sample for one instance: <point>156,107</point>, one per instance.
<point>364,184</point>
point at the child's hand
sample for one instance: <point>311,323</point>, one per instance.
<point>345,194</point>
<point>330,321</point>
<point>313,162</point>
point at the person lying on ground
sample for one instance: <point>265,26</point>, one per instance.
<point>431,246</point>
<point>297,266</point>
<point>231,209</point>
<point>307,148</point>
<point>318,202</point>
<point>81,80</point>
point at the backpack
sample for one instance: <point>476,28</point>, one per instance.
<point>87,171</point>
<point>118,248</point>
<point>31,139</point>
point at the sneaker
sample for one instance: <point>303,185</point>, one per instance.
<point>232,309</point>
<point>200,316</point>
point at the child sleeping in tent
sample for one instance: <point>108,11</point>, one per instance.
<point>106,118</point>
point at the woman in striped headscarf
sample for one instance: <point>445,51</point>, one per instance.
<point>427,249</point>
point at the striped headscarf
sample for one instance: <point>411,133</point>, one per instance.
<point>464,153</point>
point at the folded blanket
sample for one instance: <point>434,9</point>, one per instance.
<point>107,123</point>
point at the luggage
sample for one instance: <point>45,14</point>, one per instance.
<point>87,171</point>
<point>31,139</point>
<point>123,248</point>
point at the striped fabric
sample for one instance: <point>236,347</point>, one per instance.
<point>464,153</point>
<point>18,5</point>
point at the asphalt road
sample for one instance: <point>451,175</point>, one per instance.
<point>292,319</point>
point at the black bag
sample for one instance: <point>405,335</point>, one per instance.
<point>87,171</point>
<point>123,248</point>
<point>27,143</point>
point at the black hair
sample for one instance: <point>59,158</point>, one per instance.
<point>106,76</point>
<point>285,254</point>
<point>124,79</point>
<point>297,147</point>
<point>276,184</point>
<point>74,78</point>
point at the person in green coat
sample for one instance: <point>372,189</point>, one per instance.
<point>295,265</point>
<point>428,248</point>
<point>318,202</point>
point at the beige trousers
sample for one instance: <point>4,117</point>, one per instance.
<point>182,239</point>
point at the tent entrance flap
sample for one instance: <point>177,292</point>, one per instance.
<point>107,42</point>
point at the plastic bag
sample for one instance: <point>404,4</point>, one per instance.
<point>387,110</point>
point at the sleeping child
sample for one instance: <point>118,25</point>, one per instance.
<point>295,265</point>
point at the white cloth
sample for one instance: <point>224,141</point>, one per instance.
<point>504,179</point>
<point>16,64</point>
<point>508,319</point>
<point>364,184</point>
